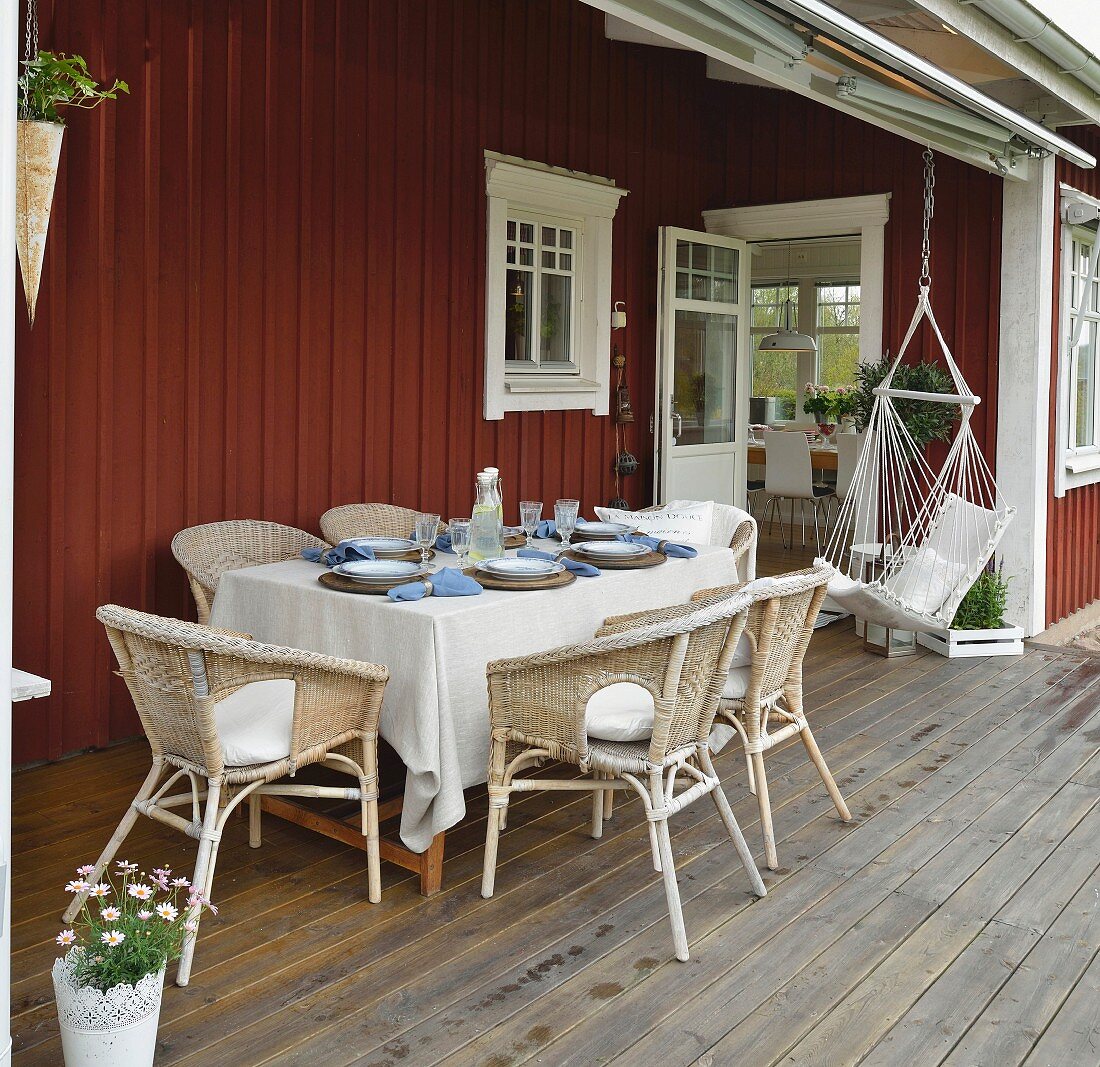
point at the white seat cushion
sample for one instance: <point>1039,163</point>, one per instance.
<point>255,722</point>
<point>620,712</point>
<point>737,683</point>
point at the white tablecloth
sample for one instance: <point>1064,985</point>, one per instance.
<point>435,712</point>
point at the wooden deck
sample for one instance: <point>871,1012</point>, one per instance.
<point>955,921</point>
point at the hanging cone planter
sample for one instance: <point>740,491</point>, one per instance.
<point>37,154</point>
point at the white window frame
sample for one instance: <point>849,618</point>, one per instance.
<point>806,286</point>
<point>587,204</point>
<point>1076,465</point>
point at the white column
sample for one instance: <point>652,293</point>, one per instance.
<point>9,55</point>
<point>1023,402</point>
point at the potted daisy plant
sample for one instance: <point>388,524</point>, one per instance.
<point>108,985</point>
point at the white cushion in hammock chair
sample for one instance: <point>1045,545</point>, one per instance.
<point>925,580</point>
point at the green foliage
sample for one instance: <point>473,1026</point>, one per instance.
<point>983,606</point>
<point>52,80</point>
<point>924,420</point>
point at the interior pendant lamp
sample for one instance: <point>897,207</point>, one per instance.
<point>787,339</point>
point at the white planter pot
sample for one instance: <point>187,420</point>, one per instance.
<point>957,644</point>
<point>37,152</point>
<point>113,1029</point>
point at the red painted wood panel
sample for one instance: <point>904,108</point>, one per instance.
<point>263,291</point>
<point>1073,521</point>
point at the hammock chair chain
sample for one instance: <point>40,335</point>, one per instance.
<point>30,50</point>
<point>929,208</point>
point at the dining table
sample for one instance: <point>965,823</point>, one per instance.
<point>435,711</point>
<point>822,457</point>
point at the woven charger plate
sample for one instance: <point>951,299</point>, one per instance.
<point>650,559</point>
<point>518,540</point>
<point>489,581</point>
<point>349,585</point>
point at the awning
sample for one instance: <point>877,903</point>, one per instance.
<point>811,48</point>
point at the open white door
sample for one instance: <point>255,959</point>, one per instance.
<point>702,399</point>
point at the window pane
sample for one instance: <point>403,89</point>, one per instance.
<point>527,233</point>
<point>683,281</point>
<point>837,358</point>
<point>511,229</point>
<point>549,259</point>
<point>1085,387</point>
<point>767,304</point>
<point>555,328</point>
<point>725,261</point>
<point>549,236</point>
<point>704,376</point>
<point>775,374</point>
<point>837,305</point>
<point>527,257</point>
<point>683,254</point>
<point>517,333</point>
<point>700,256</point>
<point>511,254</point>
<point>722,289</point>
<point>565,262</point>
<point>565,238</point>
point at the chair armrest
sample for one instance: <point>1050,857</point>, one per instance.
<point>230,633</point>
<point>616,624</point>
<point>742,539</point>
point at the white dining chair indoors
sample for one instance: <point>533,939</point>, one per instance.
<point>789,477</point>
<point>847,455</point>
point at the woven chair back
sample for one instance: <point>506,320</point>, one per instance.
<point>368,520</point>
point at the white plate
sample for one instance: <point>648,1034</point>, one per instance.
<point>521,568</point>
<point>610,549</point>
<point>384,547</point>
<point>378,571</point>
<point>602,529</point>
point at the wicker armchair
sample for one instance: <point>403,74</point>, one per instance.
<point>538,707</point>
<point>207,552</point>
<point>769,691</point>
<point>195,689</point>
<point>742,543</point>
<point>368,520</point>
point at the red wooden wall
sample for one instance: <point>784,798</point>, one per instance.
<point>1073,522</point>
<point>263,287</point>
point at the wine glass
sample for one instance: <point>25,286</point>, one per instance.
<point>565,518</point>
<point>460,539</point>
<point>427,529</point>
<point>530,515</point>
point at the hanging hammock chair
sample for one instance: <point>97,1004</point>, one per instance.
<point>909,542</point>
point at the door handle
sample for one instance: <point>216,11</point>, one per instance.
<point>677,425</point>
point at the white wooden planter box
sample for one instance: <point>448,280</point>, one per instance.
<point>955,644</point>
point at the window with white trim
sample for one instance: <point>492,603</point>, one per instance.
<point>548,287</point>
<point>1079,356</point>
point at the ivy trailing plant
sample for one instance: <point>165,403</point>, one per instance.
<point>925,420</point>
<point>53,80</point>
<point>983,607</point>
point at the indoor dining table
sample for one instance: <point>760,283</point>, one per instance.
<point>435,712</point>
<point>822,457</point>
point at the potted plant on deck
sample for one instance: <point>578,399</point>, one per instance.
<point>108,986</point>
<point>978,628</point>
<point>50,81</point>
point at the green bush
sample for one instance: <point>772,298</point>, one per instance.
<point>926,421</point>
<point>983,606</point>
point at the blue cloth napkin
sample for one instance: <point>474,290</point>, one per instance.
<point>574,565</point>
<point>654,544</point>
<point>344,552</point>
<point>447,582</point>
<point>443,543</point>
<point>546,528</point>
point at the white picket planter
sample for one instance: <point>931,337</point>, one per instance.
<point>113,1029</point>
<point>957,644</point>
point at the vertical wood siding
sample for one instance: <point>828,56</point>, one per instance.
<point>1073,522</point>
<point>263,291</point>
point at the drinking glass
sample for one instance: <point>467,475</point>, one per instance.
<point>530,515</point>
<point>427,529</point>
<point>565,517</point>
<point>460,539</point>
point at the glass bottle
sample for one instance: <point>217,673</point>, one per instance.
<point>498,489</point>
<point>486,529</point>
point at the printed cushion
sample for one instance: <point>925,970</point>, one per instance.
<point>691,523</point>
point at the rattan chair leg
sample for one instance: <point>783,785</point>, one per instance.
<point>764,802</point>
<point>148,788</point>
<point>608,804</point>
<point>492,839</point>
<point>826,775</point>
<point>732,827</point>
<point>655,847</point>
<point>374,857</point>
<point>668,871</point>
<point>597,811</point>
<point>255,838</point>
<point>203,863</point>
<point>750,773</point>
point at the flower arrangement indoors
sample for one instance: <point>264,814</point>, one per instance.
<point>830,405</point>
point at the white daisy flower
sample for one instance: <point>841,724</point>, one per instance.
<point>140,890</point>
<point>101,890</point>
<point>111,914</point>
<point>167,912</point>
<point>144,914</point>
<point>112,937</point>
<point>66,937</point>
<point>78,885</point>
<point>88,868</point>
<point>125,865</point>
<point>181,883</point>
<point>191,926</point>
